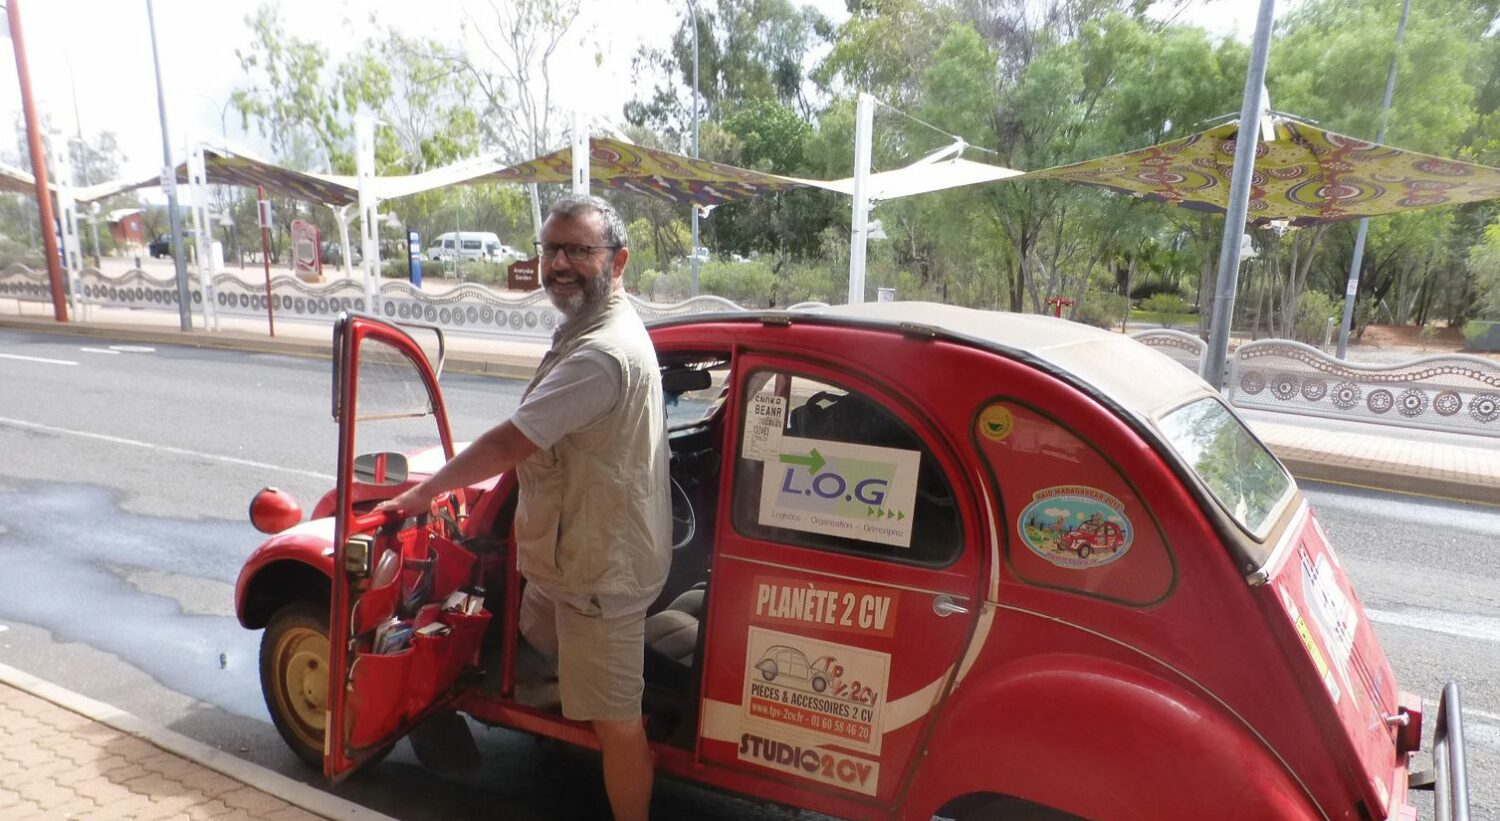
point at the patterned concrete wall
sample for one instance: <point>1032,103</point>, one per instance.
<point>467,308</point>
<point>1454,393</point>
<point>1189,351</point>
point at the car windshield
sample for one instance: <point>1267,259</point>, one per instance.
<point>1242,475</point>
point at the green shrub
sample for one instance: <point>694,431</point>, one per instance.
<point>1146,290</point>
<point>1313,312</point>
<point>1102,309</point>
<point>1169,309</point>
<point>1480,335</point>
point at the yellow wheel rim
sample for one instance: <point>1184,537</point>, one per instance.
<point>302,683</point>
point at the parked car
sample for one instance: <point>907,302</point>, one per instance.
<point>897,624</point>
<point>161,246</point>
<point>333,253</point>
<point>472,245</point>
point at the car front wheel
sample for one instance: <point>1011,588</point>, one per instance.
<point>294,676</point>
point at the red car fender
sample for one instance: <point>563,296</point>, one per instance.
<point>292,564</point>
<point>1102,740</point>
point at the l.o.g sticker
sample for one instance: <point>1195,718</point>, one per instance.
<point>996,423</point>
<point>1076,527</point>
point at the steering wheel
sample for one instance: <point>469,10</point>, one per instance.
<point>684,520</point>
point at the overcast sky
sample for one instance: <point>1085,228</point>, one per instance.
<point>102,49</point>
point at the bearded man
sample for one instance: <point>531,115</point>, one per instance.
<point>593,522</point>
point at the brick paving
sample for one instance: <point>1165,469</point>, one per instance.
<point>58,765</point>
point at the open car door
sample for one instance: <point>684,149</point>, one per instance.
<point>405,621</point>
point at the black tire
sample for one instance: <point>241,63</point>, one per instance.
<point>1085,550</point>
<point>294,676</point>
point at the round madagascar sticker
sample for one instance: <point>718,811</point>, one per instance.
<point>996,423</point>
<point>1076,527</point>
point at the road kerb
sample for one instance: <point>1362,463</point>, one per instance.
<point>289,790</point>
<point>1391,481</point>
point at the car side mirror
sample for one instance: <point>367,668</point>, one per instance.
<point>380,469</point>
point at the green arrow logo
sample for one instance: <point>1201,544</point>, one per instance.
<point>813,461</point>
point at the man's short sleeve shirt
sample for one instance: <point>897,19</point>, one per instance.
<point>576,393</point>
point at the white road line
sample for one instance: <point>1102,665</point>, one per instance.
<point>37,359</point>
<point>1452,624</point>
<point>116,440</point>
<point>1470,711</point>
<point>99,350</point>
<point>132,349</point>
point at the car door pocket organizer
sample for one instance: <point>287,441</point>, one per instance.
<point>441,655</point>
<point>379,701</point>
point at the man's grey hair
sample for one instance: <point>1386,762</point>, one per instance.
<point>580,205</point>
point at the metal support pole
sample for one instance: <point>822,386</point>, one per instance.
<point>341,215</point>
<point>38,167</point>
<point>1351,291</point>
<point>184,294</point>
<point>71,252</point>
<point>265,255</point>
<point>202,232</point>
<point>1239,198</point>
<point>693,8</point>
<point>364,156</point>
<point>864,124</point>
<point>580,154</point>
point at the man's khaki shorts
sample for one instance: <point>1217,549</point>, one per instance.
<point>600,661</point>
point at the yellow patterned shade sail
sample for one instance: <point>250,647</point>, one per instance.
<point>1307,175</point>
<point>624,167</point>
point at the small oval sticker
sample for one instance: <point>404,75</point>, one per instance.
<point>996,423</point>
<point>1076,527</point>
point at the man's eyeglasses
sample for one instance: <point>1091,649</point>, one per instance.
<point>575,251</point>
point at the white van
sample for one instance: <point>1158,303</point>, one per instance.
<point>472,245</point>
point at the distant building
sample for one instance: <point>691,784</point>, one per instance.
<point>127,226</point>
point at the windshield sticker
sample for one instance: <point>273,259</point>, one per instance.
<point>815,690</point>
<point>817,763</point>
<point>996,423</point>
<point>848,608</point>
<point>1076,527</point>
<point>840,489</point>
<point>765,417</point>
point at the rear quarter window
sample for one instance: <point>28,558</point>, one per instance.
<point>1243,477</point>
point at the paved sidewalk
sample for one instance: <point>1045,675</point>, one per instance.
<point>1449,466</point>
<point>63,756</point>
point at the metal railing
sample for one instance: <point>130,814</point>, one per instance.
<point>1455,393</point>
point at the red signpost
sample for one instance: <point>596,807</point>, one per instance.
<point>38,168</point>
<point>263,212</point>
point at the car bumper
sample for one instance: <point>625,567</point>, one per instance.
<point>1448,779</point>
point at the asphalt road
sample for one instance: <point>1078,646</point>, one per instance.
<point>124,475</point>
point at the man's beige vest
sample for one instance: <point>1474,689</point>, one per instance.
<point>594,517</point>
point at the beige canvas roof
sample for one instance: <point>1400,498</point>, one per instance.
<point>1136,376</point>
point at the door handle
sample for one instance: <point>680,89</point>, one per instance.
<point>945,606</point>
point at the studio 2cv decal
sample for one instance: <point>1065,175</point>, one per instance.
<point>1076,527</point>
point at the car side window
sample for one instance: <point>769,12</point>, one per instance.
<point>824,466</point>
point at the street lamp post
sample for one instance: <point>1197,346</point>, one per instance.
<point>169,177</point>
<point>1351,290</point>
<point>693,9</point>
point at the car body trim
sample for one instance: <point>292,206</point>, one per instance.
<point>1198,685</point>
<point>1290,537</point>
<point>859,579</point>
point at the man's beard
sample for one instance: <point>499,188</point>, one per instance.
<point>590,297</point>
